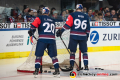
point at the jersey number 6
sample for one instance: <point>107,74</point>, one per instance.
<point>49,28</point>
<point>78,23</point>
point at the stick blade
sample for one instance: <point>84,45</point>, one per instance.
<point>66,70</point>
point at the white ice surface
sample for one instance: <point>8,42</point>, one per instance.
<point>106,60</point>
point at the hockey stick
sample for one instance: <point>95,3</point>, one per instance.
<point>64,70</point>
<point>80,68</point>
<point>34,37</point>
<point>41,57</point>
<point>68,51</point>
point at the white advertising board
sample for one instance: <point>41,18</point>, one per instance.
<point>104,36</point>
<point>12,41</point>
<point>14,36</point>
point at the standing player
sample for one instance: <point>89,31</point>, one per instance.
<point>46,31</point>
<point>78,22</point>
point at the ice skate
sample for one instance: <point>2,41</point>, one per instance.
<point>86,68</point>
<point>71,67</point>
<point>36,72</point>
<point>56,73</point>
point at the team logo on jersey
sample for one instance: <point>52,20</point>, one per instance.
<point>72,74</point>
<point>94,37</point>
<point>30,40</point>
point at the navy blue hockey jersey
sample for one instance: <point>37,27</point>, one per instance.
<point>46,28</point>
<point>79,24</point>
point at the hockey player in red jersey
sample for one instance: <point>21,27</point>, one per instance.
<point>79,24</point>
<point>46,31</point>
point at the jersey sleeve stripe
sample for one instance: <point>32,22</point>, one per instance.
<point>33,27</point>
<point>66,26</point>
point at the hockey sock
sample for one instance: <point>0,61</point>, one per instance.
<point>85,58</point>
<point>55,62</point>
<point>37,62</point>
<point>72,58</point>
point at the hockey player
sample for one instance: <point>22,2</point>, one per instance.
<point>78,22</point>
<point>46,31</point>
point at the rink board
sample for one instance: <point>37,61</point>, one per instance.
<point>15,42</point>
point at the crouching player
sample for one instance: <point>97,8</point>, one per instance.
<point>46,31</point>
<point>79,24</point>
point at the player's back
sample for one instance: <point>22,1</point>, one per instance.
<point>46,29</point>
<point>80,26</point>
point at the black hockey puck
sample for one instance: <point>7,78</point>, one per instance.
<point>51,67</point>
<point>99,68</point>
<point>49,71</point>
<point>78,69</point>
<point>45,71</point>
<point>102,69</point>
<point>96,68</point>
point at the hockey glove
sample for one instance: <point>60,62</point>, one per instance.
<point>59,33</point>
<point>30,32</point>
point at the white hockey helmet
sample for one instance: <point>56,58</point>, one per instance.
<point>79,6</point>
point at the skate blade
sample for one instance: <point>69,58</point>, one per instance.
<point>58,76</point>
<point>86,71</point>
<point>35,76</point>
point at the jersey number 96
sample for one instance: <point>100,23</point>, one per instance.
<point>78,23</point>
